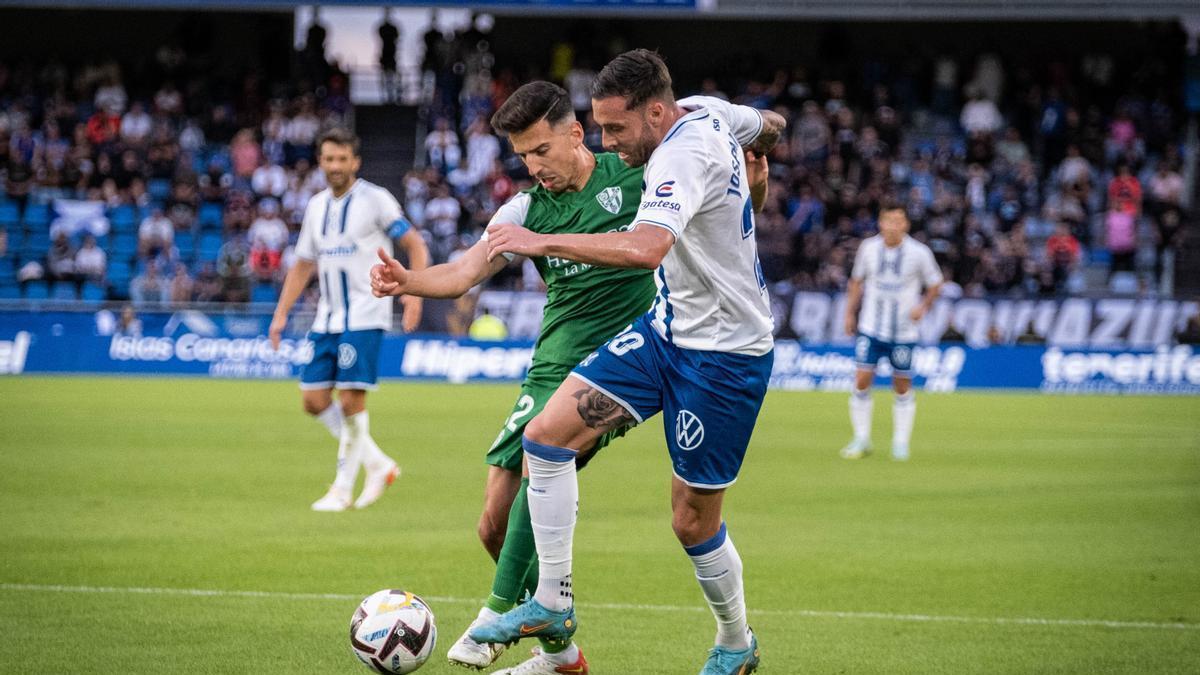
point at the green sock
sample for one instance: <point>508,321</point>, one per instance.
<point>518,553</point>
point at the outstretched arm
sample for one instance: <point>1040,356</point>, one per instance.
<point>448,280</point>
<point>642,247</point>
<point>772,130</point>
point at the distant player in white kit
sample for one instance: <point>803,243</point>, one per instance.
<point>890,269</point>
<point>344,225</point>
<point>702,355</point>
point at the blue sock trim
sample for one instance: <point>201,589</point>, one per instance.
<point>709,546</point>
<point>549,453</point>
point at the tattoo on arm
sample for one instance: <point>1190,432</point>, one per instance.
<point>601,412</point>
<point>772,130</point>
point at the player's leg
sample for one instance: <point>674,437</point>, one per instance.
<point>904,408</point>
<point>611,389</point>
<point>357,374</point>
<point>866,355</point>
<point>319,403</point>
<point>317,378</point>
<point>714,400</point>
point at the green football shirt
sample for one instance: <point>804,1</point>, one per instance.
<point>585,305</point>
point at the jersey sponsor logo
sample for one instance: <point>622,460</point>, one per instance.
<point>689,430</point>
<point>342,251</point>
<point>610,199</point>
<point>660,204</point>
<point>347,355</point>
<point>665,189</point>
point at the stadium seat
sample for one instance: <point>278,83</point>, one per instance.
<point>64,290</point>
<point>186,245</point>
<point>37,217</point>
<point>210,246</point>
<point>159,189</point>
<point>10,215</point>
<point>124,246</point>
<point>211,214</point>
<point>93,292</point>
<point>8,270</point>
<point>264,293</point>
<point>10,292</point>
<point>37,290</point>
<point>123,218</point>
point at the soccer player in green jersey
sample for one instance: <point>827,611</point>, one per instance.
<point>576,192</point>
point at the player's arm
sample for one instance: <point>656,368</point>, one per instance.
<point>758,176</point>
<point>772,130</point>
<point>642,247</point>
<point>293,285</point>
<point>932,277</point>
<point>448,280</point>
<point>417,252</point>
<point>854,291</point>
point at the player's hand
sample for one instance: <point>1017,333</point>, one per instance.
<point>851,325</point>
<point>413,306</point>
<point>278,323</point>
<point>757,171</point>
<point>388,278</point>
<point>509,238</point>
<point>917,312</point>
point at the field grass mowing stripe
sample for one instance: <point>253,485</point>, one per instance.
<point>811,613</point>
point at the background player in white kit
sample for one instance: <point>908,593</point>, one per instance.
<point>702,355</point>
<point>889,272</point>
<point>344,225</point>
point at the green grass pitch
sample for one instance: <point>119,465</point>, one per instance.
<point>1029,534</point>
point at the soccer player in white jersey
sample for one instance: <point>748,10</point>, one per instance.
<point>702,355</point>
<point>344,225</point>
<point>883,306</point>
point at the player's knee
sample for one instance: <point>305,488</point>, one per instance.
<point>314,403</point>
<point>540,432</point>
<point>690,528</point>
<point>901,385</point>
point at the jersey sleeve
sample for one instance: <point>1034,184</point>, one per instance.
<point>513,211</point>
<point>675,182</point>
<point>306,243</point>
<point>931,274</point>
<point>859,271</point>
<point>389,216</point>
<point>746,122</point>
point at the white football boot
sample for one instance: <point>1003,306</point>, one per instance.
<point>540,664</point>
<point>334,500</point>
<point>376,482</point>
<point>900,452</point>
<point>856,449</point>
<point>471,654</point>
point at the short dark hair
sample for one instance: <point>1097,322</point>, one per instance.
<point>530,104</point>
<point>339,136</point>
<point>638,75</point>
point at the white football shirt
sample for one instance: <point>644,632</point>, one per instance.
<point>341,236</point>
<point>892,282</point>
<point>712,295</point>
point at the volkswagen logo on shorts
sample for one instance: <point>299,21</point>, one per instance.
<point>689,430</point>
<point>346,356</point>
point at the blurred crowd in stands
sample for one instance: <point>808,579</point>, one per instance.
<point>1021,178</point>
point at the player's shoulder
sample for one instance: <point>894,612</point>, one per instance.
<point>916,245</point>
<point>372,191</point>
<point>620,172</point>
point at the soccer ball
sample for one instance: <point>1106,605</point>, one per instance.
<point>392,631</point>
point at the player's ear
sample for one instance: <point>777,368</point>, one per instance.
<point>577,132</point>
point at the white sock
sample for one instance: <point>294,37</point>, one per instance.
<point>371,457</point>
<point>564,658</point>
<point>553,503</point>
<point>719,571</point>
<point>861,406</point>
<point>486,614</point>
<point>354,428</point>
<point>331,417</point>
<point>904,409</point>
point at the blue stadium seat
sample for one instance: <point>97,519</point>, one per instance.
<point>64,290</point>
<point>124,246</point>
<point>8,270</point>
<point>264,293</point>
<point>10,292</point>
<point>210,246</point>
<point>159,189</point>
<point>93,292</point>
<point>186,245</point>
<point>10,215</point>
<point>123,218</point>
<point>211,214</point>
<point>37,216</point>
<point>37,290</point>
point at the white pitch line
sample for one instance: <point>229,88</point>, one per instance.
<point>811,613</point>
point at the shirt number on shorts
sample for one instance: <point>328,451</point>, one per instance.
<point>625,343</point>
<point>524,407</point>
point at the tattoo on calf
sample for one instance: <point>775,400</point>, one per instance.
<point>601,412</point>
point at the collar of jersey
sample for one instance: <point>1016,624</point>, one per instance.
<point>353,187</point>
<point>697,114</point>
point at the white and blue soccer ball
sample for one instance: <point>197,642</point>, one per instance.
<point>393,631</point>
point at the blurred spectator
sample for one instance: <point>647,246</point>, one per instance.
<point>136,125</point>
<point>269,180</point>
<point>149,287</point>
<point>245,154</point>
<point>1062,252</point>
<point>181,284</point>
<point>233,266</point>
<point>268,236</point>
<point>60,260</point>
<point>441,147</point>
<point>156,233</point>
<point>207,286</point>
<point>91,262</point>
<point>129,325</point>
<point>980,114</point>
